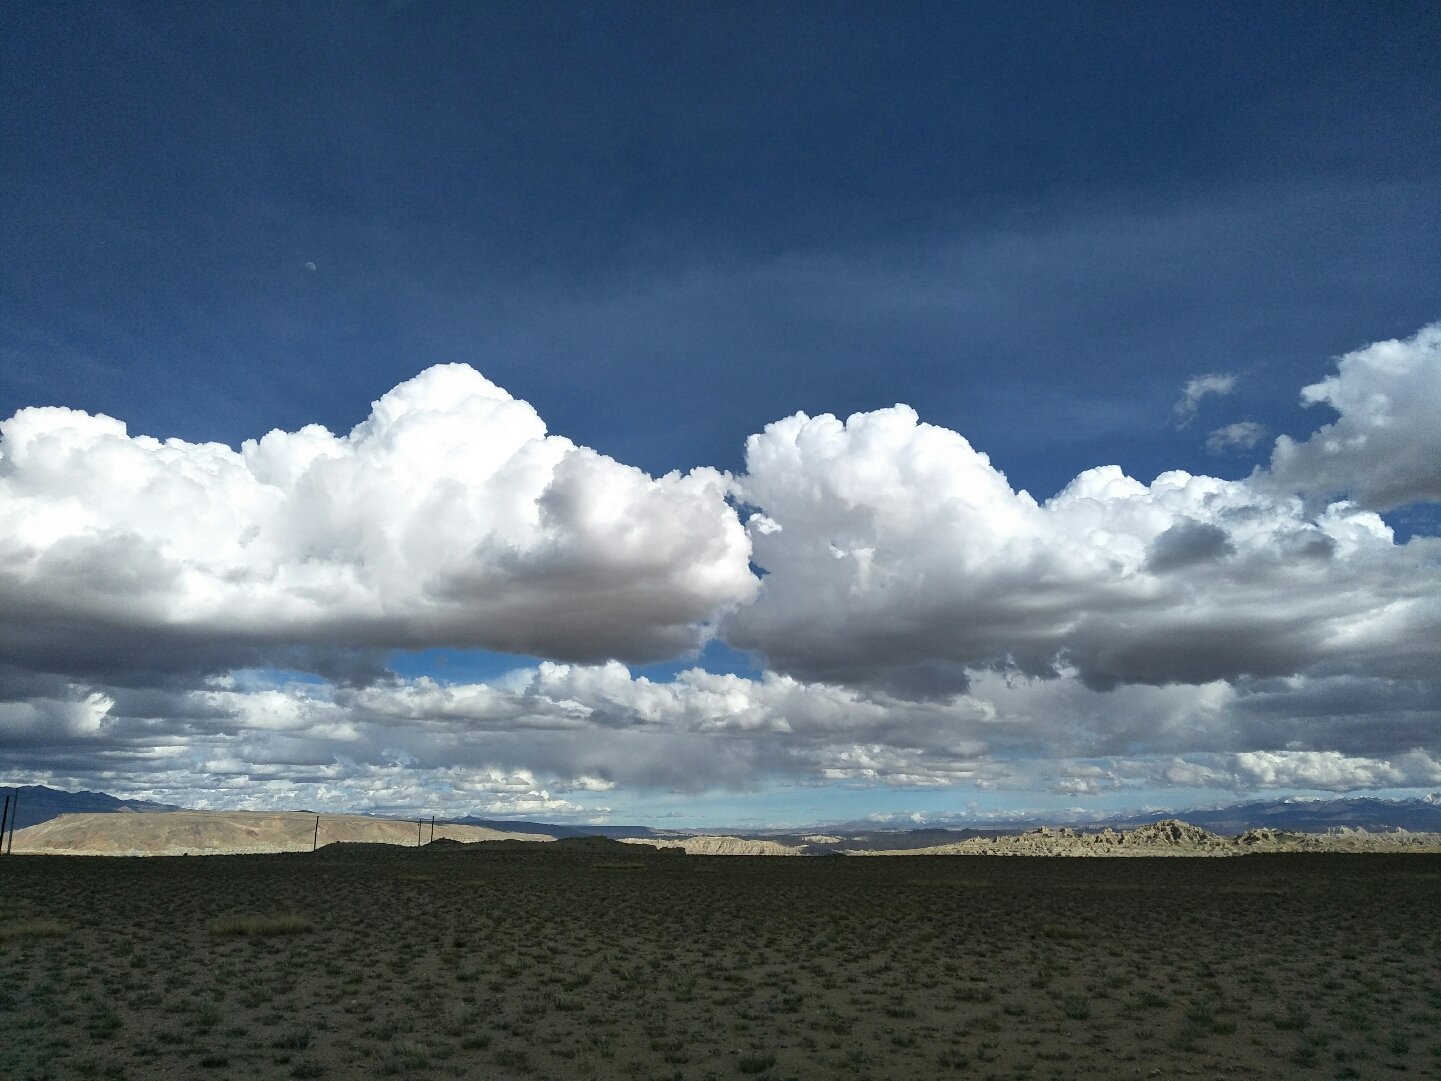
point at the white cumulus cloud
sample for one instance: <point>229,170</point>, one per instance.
<point>448,517</point>
<point>897,555</point>
<point>1385,448</point>
<point>1333,771</point>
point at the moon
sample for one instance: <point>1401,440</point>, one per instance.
<point>310,266</point>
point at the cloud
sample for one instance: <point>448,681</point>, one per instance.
<point>557,730</point>
<point>1326,771</point>
<point>1196,390</point>
<point>448,517</point>
<point>563,740</point>
<point>1186,544</point>
<point>897,556</point>
<point>45,720</point>
<point>921,624</point>
<point>1333,771</point>
<point>1384,450</point>
<point>1243,435</point>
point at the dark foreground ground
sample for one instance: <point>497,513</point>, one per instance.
<point>574,961</point>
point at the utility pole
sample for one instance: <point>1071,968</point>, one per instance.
<point>315,841</point>
<point>432,828</point>
<point>14,814</point>
<point>5,817</point>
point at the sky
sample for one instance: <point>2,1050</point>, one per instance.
<point>731,414</point>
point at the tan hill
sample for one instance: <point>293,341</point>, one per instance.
<point>705,845</point>
<point>1171,838</point>
<point>197,833</point>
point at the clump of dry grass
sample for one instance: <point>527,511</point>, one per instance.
<point>34,929</point>
<point>289,923</point>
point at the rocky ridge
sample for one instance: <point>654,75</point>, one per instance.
<point>1171,837</point>
<point>706,845</point>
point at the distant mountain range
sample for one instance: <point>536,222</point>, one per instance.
<point>38,803</point>
<point>1310,816</point>
<point>1297,815</point>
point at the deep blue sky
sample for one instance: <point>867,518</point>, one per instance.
<point>666,226</point>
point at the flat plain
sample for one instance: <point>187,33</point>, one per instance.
<point>589,959</point>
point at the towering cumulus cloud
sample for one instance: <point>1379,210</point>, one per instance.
<point>449,517</point>
<point>898,556</point>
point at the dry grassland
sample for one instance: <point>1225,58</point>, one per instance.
<point>580,960</point>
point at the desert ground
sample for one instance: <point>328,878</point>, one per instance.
<point>591,959</point>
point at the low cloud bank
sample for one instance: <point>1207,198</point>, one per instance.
<point>569,741</point>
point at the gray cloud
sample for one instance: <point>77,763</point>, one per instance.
<point>1243,435</point>
<point>1187,543</point>
<point>564,739</point>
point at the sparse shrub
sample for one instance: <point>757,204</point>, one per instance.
<point>294,1040</point>
<point>756,1063</point>
<point>974,994</point>
<point>206,1016</point>
<point>406,1056</point>
<point>512,1058</point>
<point>283,924</point>
<point>672,1051</point>
<point>1294,1021</point>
